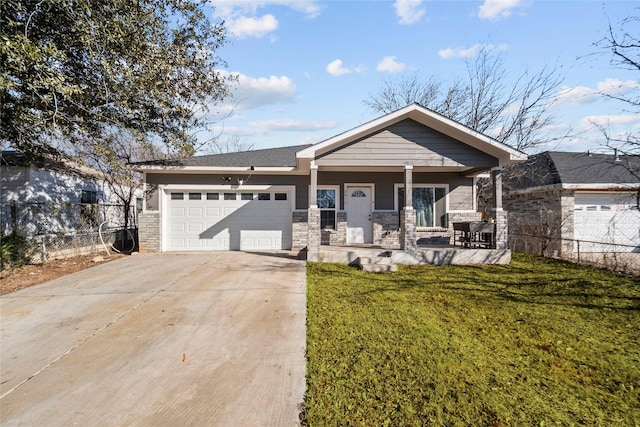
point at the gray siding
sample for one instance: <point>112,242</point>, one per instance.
<point>460,188</point>
<point>407,142</point>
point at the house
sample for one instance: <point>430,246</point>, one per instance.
<point>569,204</point>
<point>404,177</point>
<point>47,196</point>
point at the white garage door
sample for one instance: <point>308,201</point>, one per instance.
<point>612,219</point>
<point>228,220</point>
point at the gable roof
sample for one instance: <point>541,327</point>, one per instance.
<point>573,170</point>
<point>416,112</point>
<point>297,159</point>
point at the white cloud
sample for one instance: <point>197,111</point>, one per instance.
<point>242,18</point>
<point>616,87</point>
<point>336,68</point>
<point>497,9</point>
<point>253,27</point>
<point>607,120</point>
<point>579,95</point>
<point>472,51</point>
<point>409,11</point>
<point>290,125</point>
<point>390,65</point>
<point>228,8</point>
<point>251,92</point>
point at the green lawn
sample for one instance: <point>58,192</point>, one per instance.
<point>539,342</point>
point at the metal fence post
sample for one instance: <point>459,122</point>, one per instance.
<point>43,248</point>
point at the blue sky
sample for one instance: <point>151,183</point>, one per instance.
<point>305,67</point>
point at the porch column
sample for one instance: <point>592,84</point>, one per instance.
<point>313,217</point>
<point>499,215</point>
<point>408,215</point>
<point>496,177</point>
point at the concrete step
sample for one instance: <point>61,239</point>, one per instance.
<point>378,268</point>
<point>381,260</point>
<point>377,264</point>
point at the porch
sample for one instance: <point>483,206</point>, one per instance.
<point>434,254</point>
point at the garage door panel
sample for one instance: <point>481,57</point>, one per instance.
<point>177,227</point>
<point>195,243</point>
<point>176,211</point>
<point>196,227</point>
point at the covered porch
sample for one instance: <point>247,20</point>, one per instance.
<point>399,184</point>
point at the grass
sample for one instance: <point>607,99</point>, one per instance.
<point>539,342</point>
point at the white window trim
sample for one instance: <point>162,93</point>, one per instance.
<point>337,207</point>
<point>330,187</point>
<point>397,186</point>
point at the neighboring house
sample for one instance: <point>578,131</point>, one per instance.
<point>562,203</point>
<point>402,177</point>
<point>53,197</point>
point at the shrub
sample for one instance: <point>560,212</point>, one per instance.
<point>16,250</point>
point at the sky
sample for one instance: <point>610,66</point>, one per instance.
<point>305,68</point>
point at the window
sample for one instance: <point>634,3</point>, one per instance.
<point>213,196</point>
<point>280,196</point>
<point>246,196</point>
<point>326,199</point>
<point>264,196</point>
<point>605,208</point>
<point>592,208</point>
<point>230,196</point>
<point>195,196</point>
<point>177,196</point>
<point>358,193</point>
<point>429,204</point>
<point>89,196</point>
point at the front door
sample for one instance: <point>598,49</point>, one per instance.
<point>358,206</point>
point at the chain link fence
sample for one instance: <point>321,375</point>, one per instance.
<point>61,230</point>
<point>620,257</point>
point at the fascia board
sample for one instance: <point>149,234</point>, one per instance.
<point>214,169</point>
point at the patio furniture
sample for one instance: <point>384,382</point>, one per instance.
<point>474,234</point>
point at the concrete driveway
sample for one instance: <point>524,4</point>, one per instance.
<point>204,339</point>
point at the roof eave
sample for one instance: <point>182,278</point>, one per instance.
<point>214,169</point>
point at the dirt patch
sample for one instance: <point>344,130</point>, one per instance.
<point>29,275</point>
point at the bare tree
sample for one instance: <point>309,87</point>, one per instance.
<point>112,159</point>
<point>623,44</point>
<point>514,113</point>
<point>229,144</point>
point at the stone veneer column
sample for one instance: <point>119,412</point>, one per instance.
<point>408,229</point>
<point>313,236</point>
<point>408,214</point>
<point>299,230</point>
<point>149,232</point>
<point>502,229</point>
<point>499,215</point>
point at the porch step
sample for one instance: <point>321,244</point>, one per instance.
<point>377,264</point>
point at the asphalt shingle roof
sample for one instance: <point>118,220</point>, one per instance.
<point>558,167</point>
<point>269,157</point>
